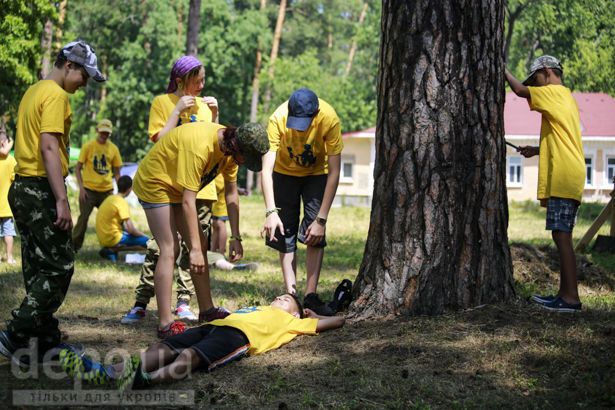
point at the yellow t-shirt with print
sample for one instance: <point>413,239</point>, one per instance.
<point>7,175</point>
<point>188,157</point>
<point>161,110</point>
<point>305,153</point>
<point>98,161</point>
<point>112,213</point>
<point>561,169</point>
<point>267,327</point>
<point>43,108</point>
<point>219,208</point>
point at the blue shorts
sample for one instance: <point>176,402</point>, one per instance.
<point>131,240</point>
<point>220,218</point>
<point>7,227</point>
<point>561,214</point>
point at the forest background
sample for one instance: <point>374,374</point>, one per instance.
<point>330,46</point>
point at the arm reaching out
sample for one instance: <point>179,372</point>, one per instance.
<point>516,85</point>
<point>325,322</point>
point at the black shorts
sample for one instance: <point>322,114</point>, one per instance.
<point>289,191</point>
<point>217,345</point>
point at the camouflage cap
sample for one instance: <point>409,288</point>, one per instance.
<point>253,143</point>
<point>541,62</point>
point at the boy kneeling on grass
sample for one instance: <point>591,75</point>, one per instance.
<point>248,331</point>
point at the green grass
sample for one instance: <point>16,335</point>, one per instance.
<point>509,355</point>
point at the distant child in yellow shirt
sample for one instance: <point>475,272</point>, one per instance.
<point>114,227</point>
<point>561,170</point>
<point>248,331</point>
<point>7,175</point>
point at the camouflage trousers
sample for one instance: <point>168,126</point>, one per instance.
<point>47,259</point>
<point>185,288</point>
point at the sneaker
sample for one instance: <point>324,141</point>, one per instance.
<point>559,305</point>
<point>8,347</point>
<point>313,302</point>
<point>108,254</point>
<point>213,314</point>
<point>133,376</point>
<point>82,367</point>
<point>342,296</point>
<point>543,299</point>
<point>183,312</point>
<point>134,315</point>
<point>174,328</point>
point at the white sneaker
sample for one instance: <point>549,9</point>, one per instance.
<point>184,313</point>
<point>133,316</point>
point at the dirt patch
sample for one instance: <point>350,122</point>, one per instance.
<point>539,266</point>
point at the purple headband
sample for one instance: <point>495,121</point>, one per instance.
<point>182,66</point>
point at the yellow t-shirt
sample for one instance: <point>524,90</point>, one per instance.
<point>7,175</point>
<point>561,169</point>
<point>304,153</point>
<point>159,113</point>
<point>188,157</point>
<point>98,162</point>
<point>267,327</point>
<point>112,213</point>
<point>219,208</point>
<point>43,108</point>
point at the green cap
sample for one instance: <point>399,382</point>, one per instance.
<point>253,143</point>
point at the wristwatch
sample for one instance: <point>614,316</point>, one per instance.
<point>321,221</point>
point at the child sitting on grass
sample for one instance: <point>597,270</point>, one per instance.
<point>248,331</point>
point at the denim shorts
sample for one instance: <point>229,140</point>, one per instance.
<point>561,214</point>
<point>7,227</point>
<point>151,205</point>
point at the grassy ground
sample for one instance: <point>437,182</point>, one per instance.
<point>509,355</point>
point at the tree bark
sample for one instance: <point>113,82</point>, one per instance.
<point>437,238</point>
<point>180,23</point>
<point>60,26</point>
<point>254,102</point>
<point>353,46</point>
<point>277,36</point>
<point>194,26</point>
<point>46,39</point>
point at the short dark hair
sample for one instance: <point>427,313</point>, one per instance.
<point>124,183</point>
<point>298,302</point>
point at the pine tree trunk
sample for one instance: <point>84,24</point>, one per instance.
<point>437,238</point>
<point>60,26</point>
<point>194,26</point>
<point>46,39</point>
<point>277,36</point>
<point>353,46</point>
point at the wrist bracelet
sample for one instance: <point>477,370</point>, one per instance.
<point>272,211</point>
<point>236,238</point>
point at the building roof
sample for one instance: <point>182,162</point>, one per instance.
<point>597,117</point>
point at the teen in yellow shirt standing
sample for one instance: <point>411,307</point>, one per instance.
<point>561,169</point>
<point>7,175</point>
<point>303,164</point>
<point>180,105</point>
<point>99,163</point>
<point>39,201</point>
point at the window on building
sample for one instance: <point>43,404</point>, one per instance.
<point>589,171</point>
<point>515,171</point>
<point>610,170</point>
<point>347,169</point>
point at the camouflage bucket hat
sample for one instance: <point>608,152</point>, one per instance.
<point>541,62</point>
<point>253,143</point>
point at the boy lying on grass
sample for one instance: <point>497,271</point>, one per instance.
<point>248,331</point>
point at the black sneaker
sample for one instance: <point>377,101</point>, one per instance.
<point>9,347</point>
<point>342,296</point>
<point>313,302</point>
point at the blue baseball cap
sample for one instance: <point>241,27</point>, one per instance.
<point>302,107</point>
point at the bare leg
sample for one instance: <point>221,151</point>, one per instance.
<point>201,283</point>
<point>155,357</point>
<point>179,369</point>
<point>162,225</point>
<point>568,289</point>
<point>8,240</point>
<point>219,236</point>
<point>313,264</point>
<point>288,261</point>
